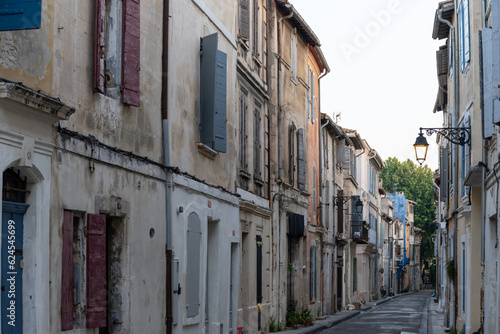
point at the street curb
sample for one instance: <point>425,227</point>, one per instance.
<point>338,321</point>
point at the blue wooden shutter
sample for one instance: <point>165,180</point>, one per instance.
<point>20,15</point>
<point>96,271</point>
<point>213,73</point>
<point>245,19</point>
<point>99,45</point>
<point>67,272</point>
<point>131,57</point>
<point>301,164</point>
<point>193,265</point>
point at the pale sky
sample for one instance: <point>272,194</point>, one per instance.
<point>383,77</point>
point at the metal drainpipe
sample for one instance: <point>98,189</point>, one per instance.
<point>453,33</point>
<point>166,157</point>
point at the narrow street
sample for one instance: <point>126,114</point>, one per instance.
<point>400,315</point>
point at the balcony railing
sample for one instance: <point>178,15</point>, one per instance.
<point>359,233</point>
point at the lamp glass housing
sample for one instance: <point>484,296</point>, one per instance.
<point>421,147</point>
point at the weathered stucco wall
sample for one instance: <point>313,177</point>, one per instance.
<point>138,231</point>
<point>194,19</point>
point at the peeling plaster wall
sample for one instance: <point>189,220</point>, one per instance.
<point>137,278</point>
<point>58,59</point>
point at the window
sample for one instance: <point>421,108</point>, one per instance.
<point>255,24</point>
<point>293,55</point>
<point>313,277</point>
<point>301,164</point>
<point>313,96</point>
<point>352,160</point>
<point>117,65</point>
<point>244,22</point>
<point>314,190</point>
<point>464,29</point>
<point>309,99</point>
<point>256,141</point>
<point>243,130</point>
<point>372,180</point>
<point>213,94</point>
<point>291,150</point>
<point>355,274</point>
<point>73,307</point>
<point>466,160</point>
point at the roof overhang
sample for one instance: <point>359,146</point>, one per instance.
<point>442,29</point>
<point>298,22</point>
<point>335,129</point>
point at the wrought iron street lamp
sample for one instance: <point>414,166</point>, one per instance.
<point>345,199</point>
<point>459,136</point>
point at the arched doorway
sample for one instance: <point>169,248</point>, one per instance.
<point>14,191</point>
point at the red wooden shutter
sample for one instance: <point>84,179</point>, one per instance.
<point>96,271</point>
<point>131,52</point>
<point>67,272</point>
<point>100,45</point>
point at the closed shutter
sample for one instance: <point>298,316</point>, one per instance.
<point>311,275</point>
<point>193,265</point>
<point>256,145</point>
<point>340,152</point>
<point>314,190</point>
<point>355,274</point>
<point>259,269</point>
<point>292,155</point>
<point>220,144</point>
<point>313,83</point>
<point>444,175</point>
<point>309,91</point>
<point>347,159</point>
<point>255,28</point>
<point>327,208</point>
<point>20,15</point>
<point>243,131</point>
<point>213,73</point>
<point>96,271</point>
<point>99,45</point>
<point>340,212</point>
<point>301,164</point>
<point>245,19</point>
<point>487,70</point>
<point>131,53</point>
<point>67,272</point>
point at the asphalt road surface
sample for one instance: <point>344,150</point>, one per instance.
<point>402,315</point>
